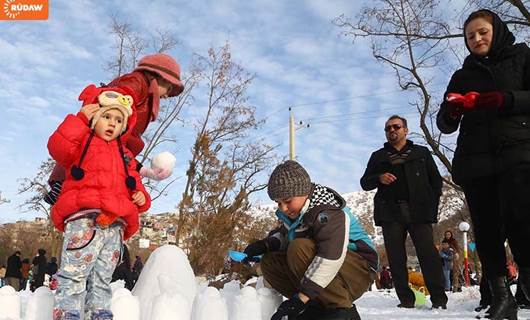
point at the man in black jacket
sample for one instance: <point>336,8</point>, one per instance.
<point>408,190</point>
<point>13,273</point>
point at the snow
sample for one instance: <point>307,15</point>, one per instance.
<point>167,289</point>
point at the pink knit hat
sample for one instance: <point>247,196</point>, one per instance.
<point>164,66</point>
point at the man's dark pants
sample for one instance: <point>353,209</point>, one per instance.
<point>395,234</point>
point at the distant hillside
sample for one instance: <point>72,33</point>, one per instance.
<point>362,205</point>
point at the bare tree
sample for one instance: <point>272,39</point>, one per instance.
<point>3,200</point>
<point>130,46</point>
<point>412,37</point>
<point>36,188</point>
<point>224,165</point>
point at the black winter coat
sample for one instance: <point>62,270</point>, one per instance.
<point>492,141</point>
<point>423,180</point>
<point>123,272</point>
<point>14,264</point>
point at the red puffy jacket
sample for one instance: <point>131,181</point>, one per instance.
<point>103,185</point>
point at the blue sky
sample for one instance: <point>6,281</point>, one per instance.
<point>296,53</point>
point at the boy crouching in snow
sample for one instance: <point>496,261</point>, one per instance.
<point>100,201</point>
<point>320,258</point>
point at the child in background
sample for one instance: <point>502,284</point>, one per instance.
<point>100,202</point>
<point>446,253</point>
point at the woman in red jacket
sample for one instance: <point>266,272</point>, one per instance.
<point>156,76</point>
<point>100,202</point>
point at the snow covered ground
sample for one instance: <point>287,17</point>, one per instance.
<point>167,290</point>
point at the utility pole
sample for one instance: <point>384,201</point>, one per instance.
<point>292,129</point>
<point>291,135</point>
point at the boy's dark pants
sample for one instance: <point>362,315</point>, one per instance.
<point>285,269</point>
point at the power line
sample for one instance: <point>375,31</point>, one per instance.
<point>345,99</point>
<point>352,113</point>
<point>329,101</point>
<point>358,118</point>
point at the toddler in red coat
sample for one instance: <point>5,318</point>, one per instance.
<point>100,202</point>
<point>157,76</point>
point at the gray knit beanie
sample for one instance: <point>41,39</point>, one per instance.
<point>289,179</point>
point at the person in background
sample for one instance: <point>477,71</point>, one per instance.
<point>39,264</point>
<point>123,270</point>
<point>52,267</point>
<point>137,268</point>
<point>26,266</point>
<point>446,253</point>
<point>386,278</point>
<point>13,272</point>
<point>2,275</point>
<point>457,260</point>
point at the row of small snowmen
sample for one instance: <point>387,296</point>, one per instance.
<point>160,294</point>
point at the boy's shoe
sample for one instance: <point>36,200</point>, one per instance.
<point>317,312</point>
<point>102,314</point>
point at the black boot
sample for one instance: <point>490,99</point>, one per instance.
<point>503,304</point>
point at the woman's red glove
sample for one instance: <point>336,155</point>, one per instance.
<point>457,104</point>
<point>490,100</point>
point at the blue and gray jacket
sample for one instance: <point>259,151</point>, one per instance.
<point>335,230</point>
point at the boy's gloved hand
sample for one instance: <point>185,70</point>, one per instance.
<point>155,173</point>
<point>291,308</point>
<point>255,249</point>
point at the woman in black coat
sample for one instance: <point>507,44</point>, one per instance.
<point>489,98</point>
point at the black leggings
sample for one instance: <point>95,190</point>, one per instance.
<point>499,208</point>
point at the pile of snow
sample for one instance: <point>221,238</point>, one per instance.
<point>167,289</point>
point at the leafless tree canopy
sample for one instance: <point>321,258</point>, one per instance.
<point>224,165</point>
<point>411,37</point>
<point>3,200</point>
